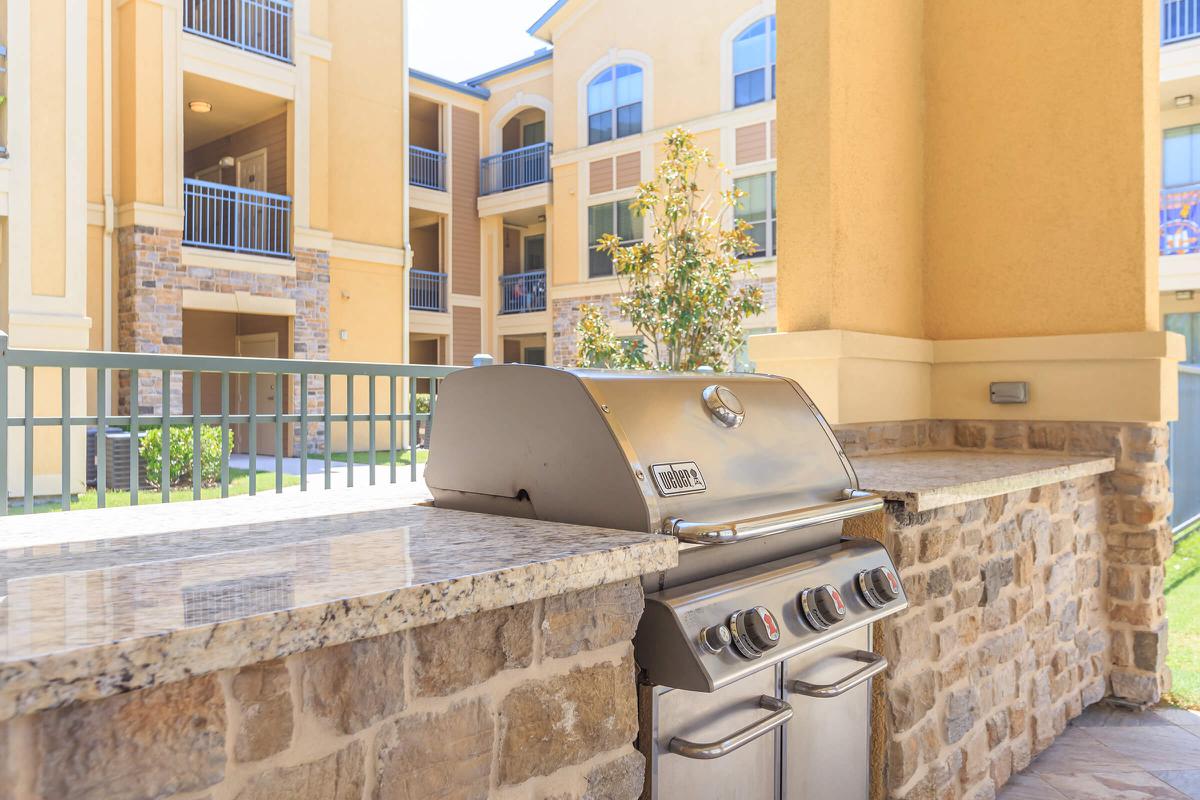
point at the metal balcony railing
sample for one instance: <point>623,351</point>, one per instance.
<point>1180,20</point>
<point>522,292</point>
<point>238,220</point>
<point>426,168</point>
<point>515,169</point>
<point>426,290</point>
<point>257,26</point>
<point>1178,230</point>
<point>146,378</point>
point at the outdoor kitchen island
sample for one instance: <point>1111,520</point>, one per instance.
<point>333,645</point>
<point>1031,596</point>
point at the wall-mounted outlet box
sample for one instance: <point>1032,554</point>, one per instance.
<point>1006,392</point>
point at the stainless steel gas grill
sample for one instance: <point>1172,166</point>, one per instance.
<point>755,652</point>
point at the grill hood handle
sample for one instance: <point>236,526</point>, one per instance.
<point>854,504</point>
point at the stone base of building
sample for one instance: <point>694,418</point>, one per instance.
<point>537,699</point>
<point>150,310</point>
<point>1025,608</point>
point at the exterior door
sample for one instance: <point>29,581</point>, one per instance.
<point>257,345</point>
<point>252,174</point>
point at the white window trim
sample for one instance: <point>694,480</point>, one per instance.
<point>766,8</point>
<point>610,59</point>
<point>516,105</point>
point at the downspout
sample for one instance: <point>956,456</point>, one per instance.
<point>109,205</point>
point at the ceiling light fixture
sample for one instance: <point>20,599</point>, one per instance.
<point>200,106</point>
<point>1183,101</point>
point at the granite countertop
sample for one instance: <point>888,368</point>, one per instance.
<point>932,479</point>
<point>101,602</point>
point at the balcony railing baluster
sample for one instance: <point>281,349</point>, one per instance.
<point>522,292</point>
<point>257,26</point>
<point>515,169</point>
<point>426,168</point>
<point>239,220</point>
<point>427,290</point>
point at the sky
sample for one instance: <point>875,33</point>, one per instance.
<point>458,39</point>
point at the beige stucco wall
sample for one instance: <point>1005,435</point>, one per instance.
<point>1052,233</point>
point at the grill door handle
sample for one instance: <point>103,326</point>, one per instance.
<point>854,504</point>
<point>875,664</point>
<point>723,747</point>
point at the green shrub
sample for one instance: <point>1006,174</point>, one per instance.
<point>422,406</point>
<point>181,455</point>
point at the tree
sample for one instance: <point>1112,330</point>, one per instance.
<point>678,284</point>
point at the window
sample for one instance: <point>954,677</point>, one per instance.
<point>754,63</point>
<point>1181,156</point>
<point>614,99</point>
<point>535,253</point>
<point>616,218</point>
<point>534,355</point>
<point>533,133</point>
<point>1189,326</point>
<point>757,207</point>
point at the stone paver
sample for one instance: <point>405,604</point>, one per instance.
<point>1111,753</point>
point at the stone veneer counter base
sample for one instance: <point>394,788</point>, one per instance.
<point>105,612</point>
<point>927,480</point>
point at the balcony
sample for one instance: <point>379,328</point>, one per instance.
<point>263,27</point>
<point>1180,20</point>
<point>426,290</point>
<point>236,220</point>
<point>426,168</point>
<point>515,169</point>
<point>523,292</point>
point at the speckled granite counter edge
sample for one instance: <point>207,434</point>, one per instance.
<point>90,673</point>
<point>968,491</point>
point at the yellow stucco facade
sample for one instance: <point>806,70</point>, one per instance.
<point>928,196</point>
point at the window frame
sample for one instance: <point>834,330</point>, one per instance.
<point>592,247</point>
<point>1193,137</point>
<point>525,252</point>
<point>613,110</point>
<point>767,66</point>
<point>770,219</point>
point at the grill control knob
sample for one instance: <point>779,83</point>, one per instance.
<point>823,606</point>
<point>724,405</point>
<point>715,638</point>
<point>879,586</point>
<point>754,631</point>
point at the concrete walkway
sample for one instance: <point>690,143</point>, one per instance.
<point>337,473</point>
<point>1108,753</point>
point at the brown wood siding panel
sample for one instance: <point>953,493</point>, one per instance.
<point>464,191</point>
<point>629,170</point>
<point>751,143</point>
<point>270,133</point>
<point>466,332</point>
<point>600,176</point>
<point>772,138</point>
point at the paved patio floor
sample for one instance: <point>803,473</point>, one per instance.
<point>1108,753</point>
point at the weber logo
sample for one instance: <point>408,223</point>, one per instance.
<point>681,477</point>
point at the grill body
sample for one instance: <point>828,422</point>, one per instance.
<point>745,472</point>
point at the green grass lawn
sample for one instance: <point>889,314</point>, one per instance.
<point>1183,610</point>
<point>239,483</point>
<point>382,456</point>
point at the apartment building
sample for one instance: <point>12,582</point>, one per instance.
<point>1179,222</point>
<point>555,146</point>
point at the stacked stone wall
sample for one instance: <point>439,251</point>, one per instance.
<point>1047,601</point>
<point>150,313</point>
<point>532,701</point>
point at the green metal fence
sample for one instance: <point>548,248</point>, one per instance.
<point>315,380</point>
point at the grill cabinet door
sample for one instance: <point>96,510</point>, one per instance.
<point>827,745</point>
<point>749,773</point>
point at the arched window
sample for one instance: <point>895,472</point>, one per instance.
<point>754,63</point>
<point>615,103</point>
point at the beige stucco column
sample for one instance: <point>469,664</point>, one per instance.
<point>957,173</point>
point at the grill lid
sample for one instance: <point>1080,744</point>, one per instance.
<point>681,453</point>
